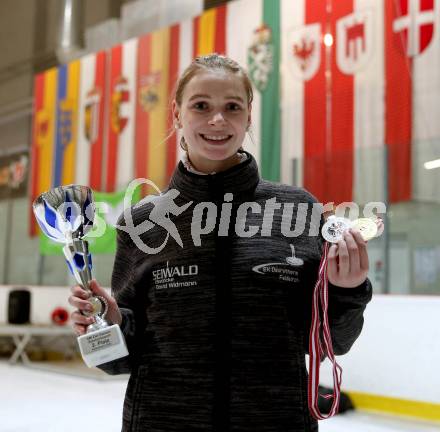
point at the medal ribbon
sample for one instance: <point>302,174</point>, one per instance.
<point>316,350</point>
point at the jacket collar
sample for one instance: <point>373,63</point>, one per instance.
<point>240,180</point>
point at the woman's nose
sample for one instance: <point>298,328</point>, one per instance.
<point>217,118</point>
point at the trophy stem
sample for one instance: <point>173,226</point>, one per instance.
<point>97,325</point>
<point>80,261</point>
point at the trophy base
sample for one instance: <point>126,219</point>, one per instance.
<point>102,346</point>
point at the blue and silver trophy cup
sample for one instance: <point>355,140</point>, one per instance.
<point>65,214</point>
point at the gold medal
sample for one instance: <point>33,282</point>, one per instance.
<point>380,226</point>
<point>366,226</point>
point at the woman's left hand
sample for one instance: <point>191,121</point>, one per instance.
<point>348,260</point>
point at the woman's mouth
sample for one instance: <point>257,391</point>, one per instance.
<point>216,139</point>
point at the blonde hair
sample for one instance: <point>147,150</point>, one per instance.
<point>211,62</point>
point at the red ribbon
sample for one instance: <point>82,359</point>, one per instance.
<point>316,350</point>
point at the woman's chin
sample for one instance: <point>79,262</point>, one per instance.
<point>220,152</point>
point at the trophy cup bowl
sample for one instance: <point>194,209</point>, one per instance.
<point>65,214</point>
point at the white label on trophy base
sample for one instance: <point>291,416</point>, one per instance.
<point>102,346</point>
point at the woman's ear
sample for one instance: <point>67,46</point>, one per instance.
<point>249,115</point>
<point>176,114</point>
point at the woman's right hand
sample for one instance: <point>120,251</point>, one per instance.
<point>79,299</point>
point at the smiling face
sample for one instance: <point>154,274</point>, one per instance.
<point>214,116</point>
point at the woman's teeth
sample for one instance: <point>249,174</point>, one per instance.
<point>216,138</point>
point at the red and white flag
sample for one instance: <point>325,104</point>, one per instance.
<point>413,104</point>
<point>90,135</point>
<point>121,116</point>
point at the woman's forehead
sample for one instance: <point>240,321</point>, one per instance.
<point>215,83</point>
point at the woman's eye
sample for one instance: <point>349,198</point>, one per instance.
<point>200,105</point>
<point>234,107</point>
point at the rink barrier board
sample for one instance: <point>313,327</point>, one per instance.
<point>396,406</point>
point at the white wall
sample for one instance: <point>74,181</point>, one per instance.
<point>398,352</point>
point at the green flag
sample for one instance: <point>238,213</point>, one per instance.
<point>270,113</point>
<point>102,238</point>
<point>263,57</point>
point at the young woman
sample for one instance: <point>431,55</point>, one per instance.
<point>217,323</point>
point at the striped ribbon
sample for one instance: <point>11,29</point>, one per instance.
<point>316,350</point>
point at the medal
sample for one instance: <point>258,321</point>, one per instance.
<point>380,226</point>
<point>366,226</point>
<point>333,230</point>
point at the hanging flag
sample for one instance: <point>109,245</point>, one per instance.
<point>360,52</point>
<point>426,100</point>
<point>90,132</point>
<point>253,40</point>
<point>121,121</point>
<point>300,61</point>
<point>340,152</point>
<point>63,170</point>
<point>263,66</point>
<point>398,95</point>
<point>185,52</point>
<point>306,139</point>
<point>154,158</point>
<point>351,109</point>
<point>173,76</point>
<point>43,132</point>
<point>209,32</point>
<point>412,129</point>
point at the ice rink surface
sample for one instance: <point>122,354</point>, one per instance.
<point>40,401</point>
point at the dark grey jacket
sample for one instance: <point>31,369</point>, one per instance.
<point>218,332</point>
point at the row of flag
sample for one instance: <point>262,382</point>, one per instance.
<point>344,92</point>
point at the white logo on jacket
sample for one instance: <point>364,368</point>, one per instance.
<point>283,269</point>
<point>171,277</point>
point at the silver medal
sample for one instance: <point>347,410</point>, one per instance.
<point>333,230</point>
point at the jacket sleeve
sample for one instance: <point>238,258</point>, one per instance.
<point>132,307</point>
<point>346,314</point>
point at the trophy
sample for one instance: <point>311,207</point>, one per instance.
<point>65,214</point>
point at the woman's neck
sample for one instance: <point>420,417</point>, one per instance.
<point>207,166</point>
